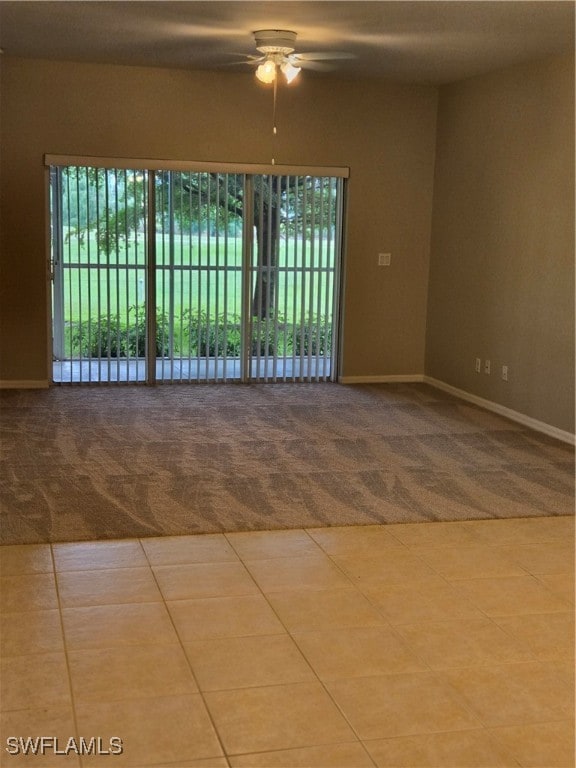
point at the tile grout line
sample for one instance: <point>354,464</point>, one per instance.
<point>181,646</point>
<point>66,653</point>
<point>434,673</point>
<point>305,660</point>
<point>438,674</point>
<point>288,632</point>
<point>453,583</point>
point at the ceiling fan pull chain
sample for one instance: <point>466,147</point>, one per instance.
<point>274,131</point>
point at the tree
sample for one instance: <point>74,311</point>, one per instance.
<point>114,202</point>
<point>268,197</point>
<point>281,205</point>
<point>110,201</point>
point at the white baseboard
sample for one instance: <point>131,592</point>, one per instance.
<point>28,384</point>
<point>395,379</point>
<point>508,413</point>
<point>521,418</point>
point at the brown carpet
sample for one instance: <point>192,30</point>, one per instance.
<point>84,463</point>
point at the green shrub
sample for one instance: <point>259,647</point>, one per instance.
<point>208,336</point>
<point>196,334</point>
<point>314,338</point>
<point>113,336</point>
<point>268,339</point>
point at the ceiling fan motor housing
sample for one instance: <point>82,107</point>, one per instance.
<point>275,41</point>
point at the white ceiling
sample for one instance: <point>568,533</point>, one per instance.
<point>429,41</point>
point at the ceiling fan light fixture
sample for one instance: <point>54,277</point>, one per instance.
<point>266,72</point>
<point>289,71</point>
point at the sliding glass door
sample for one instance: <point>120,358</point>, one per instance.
<point>200,262</point>
<point>194,275</point>
<point>99,227</point>
<point>294,277</point>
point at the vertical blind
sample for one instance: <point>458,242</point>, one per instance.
<point>171,275</point>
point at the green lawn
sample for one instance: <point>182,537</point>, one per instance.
<point>205,275</point>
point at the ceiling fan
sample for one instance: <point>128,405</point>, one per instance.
<point>277,53</point>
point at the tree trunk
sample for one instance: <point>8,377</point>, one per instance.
<point>264,297</point>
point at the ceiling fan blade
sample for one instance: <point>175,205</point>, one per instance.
<point>239,63</point>
<point>323,55</point>
<point>243,58</point>
<point>319,66</point>
<point>247,57</point>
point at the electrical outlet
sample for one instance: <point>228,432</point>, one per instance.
<point>505,372</point>
<point>384,259</point>
<point>486,366</point>
<point>478,365</point>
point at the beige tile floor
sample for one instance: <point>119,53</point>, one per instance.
<point>441,644</point>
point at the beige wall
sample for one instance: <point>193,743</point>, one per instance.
<point>502,264</point>
<point>501,282</point>
<point>384,133</point>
